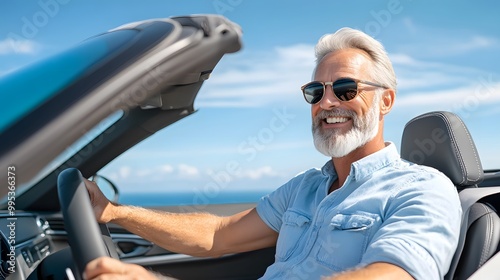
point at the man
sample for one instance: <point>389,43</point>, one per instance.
<point>366,214</point>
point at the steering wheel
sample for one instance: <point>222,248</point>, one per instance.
<point>84,235</point>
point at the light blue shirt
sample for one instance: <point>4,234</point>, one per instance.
<point>388,210</point>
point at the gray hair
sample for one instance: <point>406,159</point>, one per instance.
<point>348,38</point>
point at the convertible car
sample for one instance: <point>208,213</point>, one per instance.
<point>123,86</point>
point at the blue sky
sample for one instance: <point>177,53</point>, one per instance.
<point>252,129</point>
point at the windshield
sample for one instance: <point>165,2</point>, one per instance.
<point>69,152</point>
<point>60,70</point>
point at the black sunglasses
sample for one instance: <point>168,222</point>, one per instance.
<point>345,89</point>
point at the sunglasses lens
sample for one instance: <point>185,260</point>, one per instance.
<point>345,89</point>
<point>313,92</point>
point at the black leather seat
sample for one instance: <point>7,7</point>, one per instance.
<point>441,140</point>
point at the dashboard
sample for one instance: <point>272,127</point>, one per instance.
<point>35,246</point>
<point>25,241</point>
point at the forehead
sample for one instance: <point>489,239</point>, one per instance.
<point>352,63</point>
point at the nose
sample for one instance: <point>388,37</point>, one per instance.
<point>329,99</point>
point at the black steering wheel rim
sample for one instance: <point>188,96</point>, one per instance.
<point>84,235</point>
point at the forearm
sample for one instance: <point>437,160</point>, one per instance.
<point>187,233</point>
<point>375,271</point>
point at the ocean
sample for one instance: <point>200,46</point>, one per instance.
<point>188,198</point>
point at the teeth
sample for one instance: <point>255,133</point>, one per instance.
<point>336,120</point>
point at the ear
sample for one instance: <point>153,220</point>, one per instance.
<point>387,100</point>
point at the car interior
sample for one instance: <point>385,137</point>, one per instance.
<point>150,72</point>
<point>450,148</point>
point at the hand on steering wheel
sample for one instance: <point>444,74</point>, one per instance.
<point>100,204</point>
<point>84,236</point>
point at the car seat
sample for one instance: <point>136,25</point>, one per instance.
<point>441,140</point>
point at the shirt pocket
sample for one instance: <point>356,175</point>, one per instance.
<point>345,239</point>
<point>291,232</point>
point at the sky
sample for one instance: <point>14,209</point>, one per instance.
<point>252,130</point>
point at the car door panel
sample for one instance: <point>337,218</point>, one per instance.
<point>131,248</point>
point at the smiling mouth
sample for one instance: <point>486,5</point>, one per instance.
<point>333,120</point>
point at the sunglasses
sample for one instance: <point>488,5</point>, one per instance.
<point>345,89</point>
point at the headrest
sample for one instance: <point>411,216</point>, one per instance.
<point>441,140</point>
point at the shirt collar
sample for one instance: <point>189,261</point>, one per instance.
<point>368,164</point>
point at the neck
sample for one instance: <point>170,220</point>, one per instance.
<point>342,165</point>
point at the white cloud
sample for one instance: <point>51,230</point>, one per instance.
<point>414,73</point>
<point>459,98</point>
<point>144,172</point>
<point>476,43</point>
<point>258,173</point>
<point>252,80</point>
<point>442,86</point>
<point>10,46</point>
<point>150,172</point>
<point>410,25</point>
<point>167,168</point>
<point>153,174</point>
<point>435,42</point>
<point>448,46</point>
<point>403,59</point>
<point>124,172</point>
<point>188,171</point>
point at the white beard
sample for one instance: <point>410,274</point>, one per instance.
<point>333,143</point>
